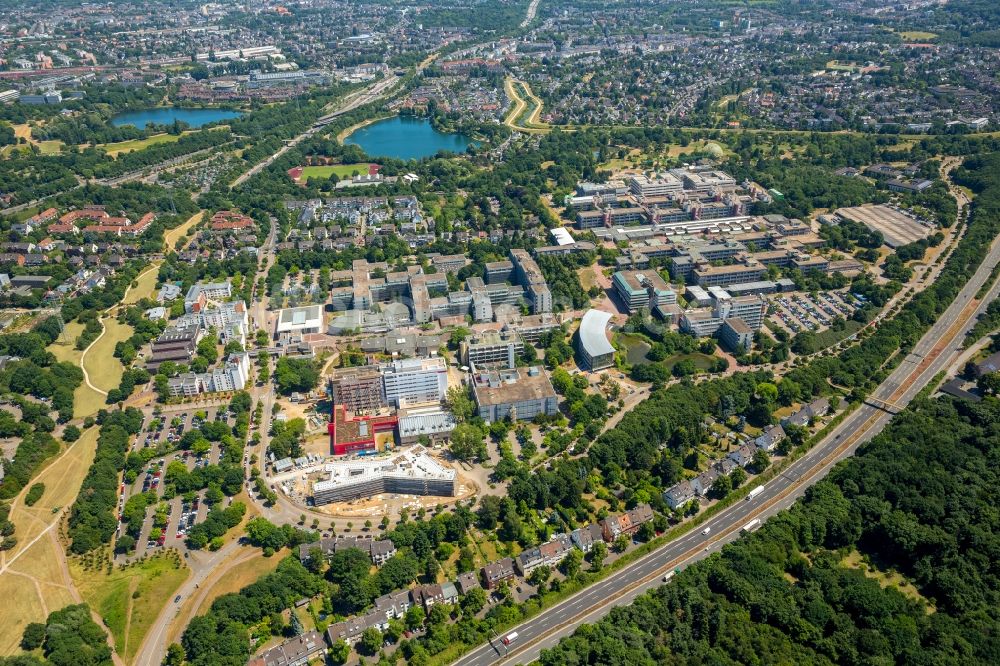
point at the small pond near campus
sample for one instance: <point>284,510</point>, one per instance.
<point>635,349</point>
<point>406,139</point>
<point>166,115</point>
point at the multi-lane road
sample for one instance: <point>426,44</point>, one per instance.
<point>936,351</point>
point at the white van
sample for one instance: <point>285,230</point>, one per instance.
<point>706,531</point>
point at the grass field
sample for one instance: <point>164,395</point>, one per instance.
<point>86,401</point>
<point>239,577</point>
<point>636,158</point>
<point>104,369</point>
<point>113,596</point>
<point>917,36</point>
<point>829,337</point>
<point>116,149</point>
<point>839,66</point>
<point>23,131</point>
<point>36,583</point>
<point>171,237</point>
<point>50,147</point>
<point>339,170</point>
<point>145,285</point>
<point>697,147</point>
<point>854,560</point>
<point>587,277</point>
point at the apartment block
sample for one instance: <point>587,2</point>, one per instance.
<point>499,271</point>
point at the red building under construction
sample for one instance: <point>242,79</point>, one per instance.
<point>356,434</point>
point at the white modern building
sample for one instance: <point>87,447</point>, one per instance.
<point>414,381</point>
<point>596,352</point>
<point>304,320</point>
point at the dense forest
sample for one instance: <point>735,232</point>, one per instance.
<point>919,500</point>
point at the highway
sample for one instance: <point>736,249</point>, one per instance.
<point>934,353</point>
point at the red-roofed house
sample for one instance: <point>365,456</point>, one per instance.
<point>226,220</point>
<point>63,228</point>
<point>44,216</point>
<point>85,214</point>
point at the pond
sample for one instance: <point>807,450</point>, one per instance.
<point>406,139</point>
<point>166,115</point>
<point>636,349</point>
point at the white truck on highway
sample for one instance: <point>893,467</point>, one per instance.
<point>753,493</point>
<point>752,526</point>
<point>509,638</point>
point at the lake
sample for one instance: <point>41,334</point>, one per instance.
<point>406,139</point>
<point>167,115</point>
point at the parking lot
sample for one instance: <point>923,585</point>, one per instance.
<point>164,432</point>
<point>802,312</point>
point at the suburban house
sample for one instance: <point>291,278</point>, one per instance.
<point>467,581</point>
<point>815,409</point>
<point>585,537</point>
<point>679,494</point>
<point>743,455</point>
<point>427,595</point>
<point>379,550</point>
<point>770,438</point>
<point>549,554</point>
<point>627,523</point>
<point>702,483</point>
<point>495,572</point>
<point>296,651</point>
<point>395,604</point>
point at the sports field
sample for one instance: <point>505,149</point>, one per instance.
<point>339,170</point>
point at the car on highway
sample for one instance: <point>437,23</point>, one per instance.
<point>706,531</point>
